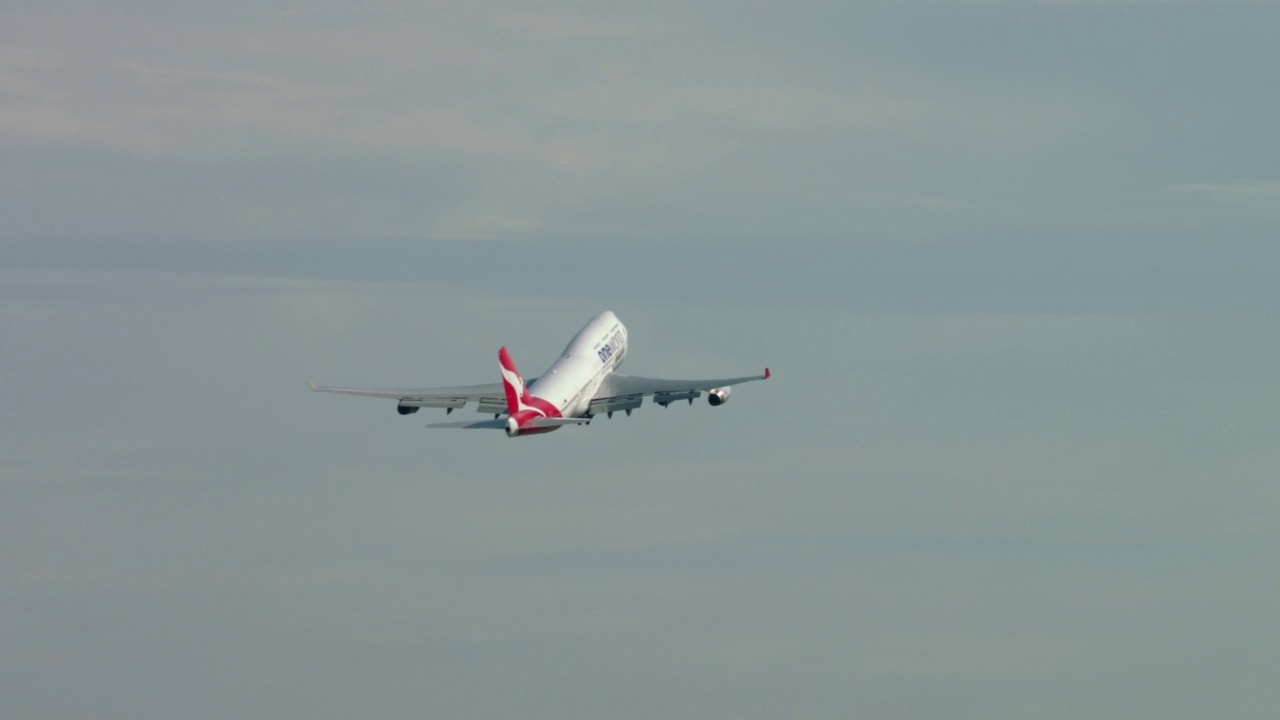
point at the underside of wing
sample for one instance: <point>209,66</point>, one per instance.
<point>489,397</point>
<point>616,384</point>
<point>626,392</point>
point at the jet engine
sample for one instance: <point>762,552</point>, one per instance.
<point>718,396</point>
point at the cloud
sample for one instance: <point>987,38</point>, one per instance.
<point>559,27</point>
<point>547,142</point>
<point>1018,453</point>
<point>1247,193</point>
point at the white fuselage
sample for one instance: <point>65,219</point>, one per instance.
<point>593,353</point>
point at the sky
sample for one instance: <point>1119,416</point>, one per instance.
<point>1012,264</point>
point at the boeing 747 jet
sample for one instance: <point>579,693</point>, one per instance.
<point>582,383</point>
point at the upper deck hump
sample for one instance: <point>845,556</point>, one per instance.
<point>591,334</point>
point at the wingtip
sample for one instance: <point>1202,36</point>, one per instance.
<point>311,385</point>
<point>767,374</point>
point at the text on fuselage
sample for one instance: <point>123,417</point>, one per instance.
<point>611,347</point>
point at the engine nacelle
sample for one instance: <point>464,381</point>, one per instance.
<point>406,409</point>
<point>718,396</point>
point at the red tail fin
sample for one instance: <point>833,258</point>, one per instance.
<point>512,383</point>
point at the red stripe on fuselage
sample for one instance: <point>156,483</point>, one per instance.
<point>524,417</point>
<point>547,408</point>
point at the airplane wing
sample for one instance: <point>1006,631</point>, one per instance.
<point>502,424</point>
<point>490,397</point>
<point>623,392</point>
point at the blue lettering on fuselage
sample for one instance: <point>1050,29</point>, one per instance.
<point>608,349</point>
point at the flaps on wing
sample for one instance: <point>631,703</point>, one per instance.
<point>492,405</point>
<point>618,387</point>
<point>666,398</point>
<point>615,404</point>
<point>433,402</point>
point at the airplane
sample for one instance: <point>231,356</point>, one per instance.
<point>581,384</point>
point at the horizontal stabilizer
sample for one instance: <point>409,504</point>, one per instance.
<point>473,424</point>
<point>446,397</point>
<point>501,423</point>
<point>544,422</point>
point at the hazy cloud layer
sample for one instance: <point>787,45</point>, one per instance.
<point>1012,264</point>
<point>714,120</point>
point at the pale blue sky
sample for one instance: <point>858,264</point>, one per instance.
<point>1012,263</point>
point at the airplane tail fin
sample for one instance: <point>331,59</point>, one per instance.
<point>512,383</point>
